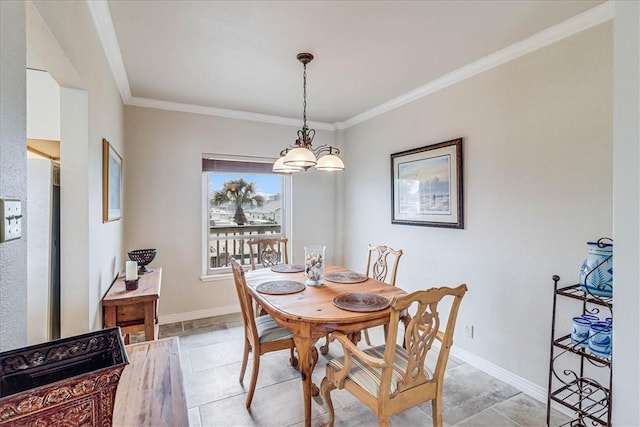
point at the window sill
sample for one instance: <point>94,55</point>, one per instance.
<point>217,277</point>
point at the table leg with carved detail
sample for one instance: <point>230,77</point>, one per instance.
<point>308,357</point>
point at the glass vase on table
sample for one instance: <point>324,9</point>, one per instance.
<point>314,264</point>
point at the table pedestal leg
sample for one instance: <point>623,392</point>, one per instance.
<point>308,357</point>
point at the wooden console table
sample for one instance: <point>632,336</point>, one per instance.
<point>151,392</point>
<point>135,310</point>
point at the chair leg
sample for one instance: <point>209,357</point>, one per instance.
<point>245,357</point>
<point>436,410</point>
<point>324,349</point>
<point>366,337</point>
<point>254,377</point>
<point>293,360</point>
<point>325,388</point>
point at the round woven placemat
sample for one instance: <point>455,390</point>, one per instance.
<point>346,277</point>
<point>288,268</point>
<point>280,287</point>
<point>361,302</point>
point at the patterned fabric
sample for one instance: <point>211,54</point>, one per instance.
<point>369,377</point>
<point>269,331</point>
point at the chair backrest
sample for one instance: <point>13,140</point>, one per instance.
<point>379,266</point>
<point>246,306</point>
<point>268,251</point>
<point>419,335</point>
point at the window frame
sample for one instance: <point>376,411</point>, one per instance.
<point>224,273</point>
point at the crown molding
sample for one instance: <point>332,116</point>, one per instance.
<point>221,112</point>
<point>587,19</point>
<point>104,26</point>
<point>101,16</point>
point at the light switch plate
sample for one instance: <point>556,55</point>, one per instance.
<point>11,221</point>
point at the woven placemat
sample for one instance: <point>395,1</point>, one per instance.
<point>280,287</point>
<point>288,268</point>
<point>361,302</point>
<point>346,277</point>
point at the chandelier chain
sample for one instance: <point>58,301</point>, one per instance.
<point>304,95</point>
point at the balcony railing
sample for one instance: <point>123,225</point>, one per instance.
<point>228,241</point>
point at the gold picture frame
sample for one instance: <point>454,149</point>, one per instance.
<point>111,183</point>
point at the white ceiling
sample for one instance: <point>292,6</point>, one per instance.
<point>241,55</point>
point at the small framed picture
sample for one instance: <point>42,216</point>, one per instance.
<point>426,186</point>
<point>111,183</point>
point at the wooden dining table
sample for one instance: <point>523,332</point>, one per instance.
<point>311,315</point>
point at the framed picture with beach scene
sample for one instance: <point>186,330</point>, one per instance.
<point>426,186</point>
<point>111,183</point>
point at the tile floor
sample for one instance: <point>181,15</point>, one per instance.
<point>211,353</point>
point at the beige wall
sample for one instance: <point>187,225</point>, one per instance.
<point>92,252</point>
<point>163,202</point>
<point>13,172</point>
<point>538,184</point>
<point>626,207</point>
<point>43,106</point>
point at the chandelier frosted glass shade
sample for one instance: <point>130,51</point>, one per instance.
<point>280,167</point>
<point>300,157</point>
<point>330,162</point>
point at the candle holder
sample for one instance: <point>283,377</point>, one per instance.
<point>131,285</point>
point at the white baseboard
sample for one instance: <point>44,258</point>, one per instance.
<point>197,314</point>
<point>524,385</point>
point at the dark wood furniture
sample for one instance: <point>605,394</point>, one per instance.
<point>66,382</point>
<point>135,310</point>
<point>311,315</point>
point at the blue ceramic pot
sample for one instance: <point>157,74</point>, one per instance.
<point>600,339</point>
<point>596,273</point>
<point>580,331</point>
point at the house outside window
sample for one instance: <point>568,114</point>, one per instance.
<point>243,200</point>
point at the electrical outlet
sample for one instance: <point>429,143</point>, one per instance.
<point>11,221</point>
<point>469,330</point>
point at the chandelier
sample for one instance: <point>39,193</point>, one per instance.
<point>301,155</point>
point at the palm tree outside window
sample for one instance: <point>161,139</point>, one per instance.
<point>239,193</point>
<point>244,200</point>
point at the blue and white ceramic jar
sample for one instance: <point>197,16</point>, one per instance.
<point>596,273</point>
<point>600,339</point>
<point>580,331</point>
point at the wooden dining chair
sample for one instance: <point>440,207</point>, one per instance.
<point>261,334</point>
<point>389,378</point>
<point>268,251</point>
<point>381,268</point>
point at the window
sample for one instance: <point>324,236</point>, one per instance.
<point>243,200</point>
